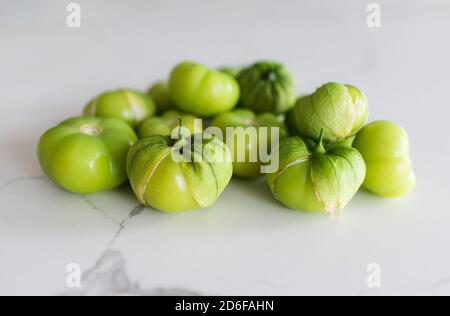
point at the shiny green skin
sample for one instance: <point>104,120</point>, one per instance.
<point>385,148</point>
<point>267,86</point>
<point>292,184</point>
<point>201,91</point>
<point>165,124</point>
<point>246,118</point>
<point>129,105</point>
<point>175,186</point>
<point>159,93</point>
<point>294,188</point>
<point>87,154</point>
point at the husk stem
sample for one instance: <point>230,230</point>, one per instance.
<point>320,148</point>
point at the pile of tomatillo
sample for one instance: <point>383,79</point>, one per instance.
<point>325,150</point>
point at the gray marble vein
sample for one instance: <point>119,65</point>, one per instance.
<point>441,283</point>
<point>134,212</point>
<point>108,277</point>
<point>21,179</point>
<point>89,202</point>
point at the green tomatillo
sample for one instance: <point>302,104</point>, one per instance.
<point>267,86</point>
<point>204,92</point>
<point>159,93</point>
<point>340,110</point>
<point>291,125</point>
<point>178,175</point>
<point>249,144</point>
<point>314,178</point>
<point>87,154</point>
<point>166,124</point>
<point>129,105</point>
<point>385,148</point>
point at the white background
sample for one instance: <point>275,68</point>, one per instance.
<point>247,243</point>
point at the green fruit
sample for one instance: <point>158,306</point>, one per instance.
<point>126,104</point>
<point>339,110</point>
<point>165,124</point>
<point>159,93</point>
<point>175,185</point>
<point>248,165</point>
<point>385,148</point>
<point>361,105</point>
<point>314,178</point>
<point>348,142</point>
<point>267,87</point>
<point>87,154</point>
<point>289,120</point>
<point>201,91</point>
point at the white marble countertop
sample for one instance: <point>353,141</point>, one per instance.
<point>246,244</point>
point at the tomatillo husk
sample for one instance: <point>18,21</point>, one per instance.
<point>313,178</point>
<point>267,86</point>
<point>194,180</point>
<point>339,110</point>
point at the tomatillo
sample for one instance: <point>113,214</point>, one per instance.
<point>337,109</point>
<point>291,125</point>
<point>385,148</point>
<point>87,154</point>
<point>176,175</point>
<point>315,178</point>
<point>129,105</point>
<point>159,93</point>
<point>267,86</point>
<point>199,90</point>
<point>165,124</point>
<point>246,141</point>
